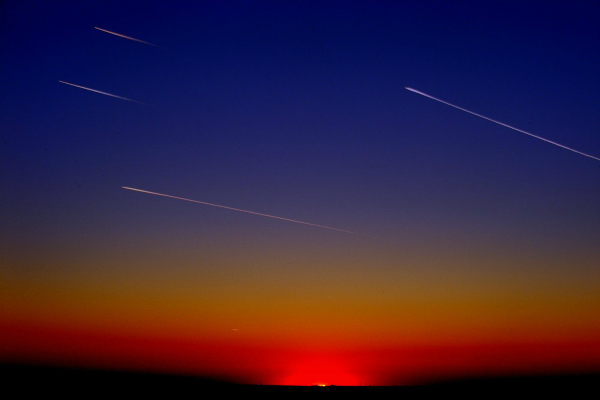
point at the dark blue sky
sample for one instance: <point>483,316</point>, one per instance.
<point>299,109</point>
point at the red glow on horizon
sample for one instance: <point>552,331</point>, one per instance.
<point>253,363</point>
<point>320,371</point>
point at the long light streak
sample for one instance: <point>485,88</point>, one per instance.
<point>503,124</point>
<point>237,209</point>
<point>104,93</point>
<point>125,37</point>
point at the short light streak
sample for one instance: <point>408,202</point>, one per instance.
<point>500,123</point>
<point>125,37</point>
<point>237,209</point>
<point>104,93</point>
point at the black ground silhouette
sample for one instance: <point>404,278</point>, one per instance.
<point>44,380</point>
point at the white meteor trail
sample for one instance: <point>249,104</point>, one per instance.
<point>104,93</point>
<point>125,37</point>
<point>500,123</point>
<point>237,209</point>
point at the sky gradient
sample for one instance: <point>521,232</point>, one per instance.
<point>479,247</point>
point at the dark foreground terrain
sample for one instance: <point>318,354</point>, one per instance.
<point>19,380</point>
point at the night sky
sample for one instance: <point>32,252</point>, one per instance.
<point>479,246</point>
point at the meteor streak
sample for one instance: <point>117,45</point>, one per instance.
<point>237,209</point>
<point>125,37</point>
<point>104,93</point>
<point>500,123</point>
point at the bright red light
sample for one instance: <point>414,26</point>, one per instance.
<point>320,372</point>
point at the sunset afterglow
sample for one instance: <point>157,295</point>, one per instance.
<point>252,192</point>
